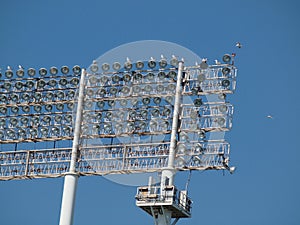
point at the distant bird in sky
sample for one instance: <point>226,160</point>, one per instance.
<point>269,117</point>
<point>238,44</point>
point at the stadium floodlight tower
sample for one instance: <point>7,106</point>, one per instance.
<point>135,111</point>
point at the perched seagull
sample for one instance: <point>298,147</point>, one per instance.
<point>269,117</point>
<point>238,44</point>
<point>217,62</point>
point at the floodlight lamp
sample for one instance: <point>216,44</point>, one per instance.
<point>116,66</point>
<point>132,115</point>
<point>49,95</point>
<point>174,61</point>
<point>20,72</point>
<point>116,78</point>
<point>14,109</point>
<point>67,130</point>
<point>33,132</point>
<point>223,108</point>
<point>55,131</point>
<point>181,149</point>
<point>134,101</point>
<point>222,96</point>
<point>153,125</point>
<point>94,67</point>
<point>164,125</point>
<point>76,70</point>
<point>44,131</point>
<point>183,136</point>
<point>146,101</point>
<point>226,58</point>
<point>3,110</point>
<point>194,114</point>
<point>157,100</point>
<point>60,94</point>
<point>127,77</point>
<point>52,83</point>
<point>225,83</point>
<point>137,76</point>
<point>118,128</point>
<point>37,96</point>
<point>172,74</point>
<point>63,81</point>
<point>24,121</point>
<point>96,129</point>
<point>151,63</point>
<point>64,69</point>
<point>144,114</point>
<point>123,102</point>
<point>113,90</point>
<point>31,72</point>
<point>60,106</point>
<point>7,86</point>
<point>29,84</point>
<point>53,70</point>
<point>150,76</point>
<point>11,134</point>
<point>100,104</point>
<point>35,121</point>
<point>22,133</point>
<point>169,99</point>
<point>221,121</point>
<point>70,105</point>
<point>171,87</point>
<point>105,67</point>
<point>19,85</point>
<point>88,105</point>
<point>198,148</point>
<point>57,118</point>
<point>198,102</point>
<point>163,62</point>
<point>160,88</point>
<point>136,89</point>
<point>43,71</point>
<point>3,98</point>
<point>2,122</point>
<point>130,127</point>
<point>13,122</point>
<point>161,75</point>
<point>25,97</point>
<point>125,90</point>
<point>9,73</point>
<point>89,92</point>
<point>48,107</point>
<point>196,159</point>
<point>26,108</point>
<point>148,88</point>
<point>128,64</point>
<point>155,113</point>
<point>139,64</point>
<point>111,103</point>
<point>107,127</point>
<point>71,94</point>
<point>225,71</point>
<point>201,134</point>
<point>41,84</point>
<point>74,81</point>
<point>103,80</point>
<point>46,120</point>
<point>166,112</point>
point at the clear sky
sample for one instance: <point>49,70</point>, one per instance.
<point>265,188</point>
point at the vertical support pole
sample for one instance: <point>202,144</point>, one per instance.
<point>71,178</point>
<point>168,173</point>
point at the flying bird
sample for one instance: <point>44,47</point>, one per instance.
<point>269,117</point>
<point>238,44</point>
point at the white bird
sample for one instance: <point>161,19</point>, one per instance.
<point>238,44</point>
<point>217,62</point>
<point>269,117</point>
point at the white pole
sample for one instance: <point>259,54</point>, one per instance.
<point>71,178</point>
<point>169,172</point>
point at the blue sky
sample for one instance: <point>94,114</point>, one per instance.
<point>264,189</point>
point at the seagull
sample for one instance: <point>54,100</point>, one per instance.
<point>238,44</point>
<point>217,62</point>
<point>269,117</point>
